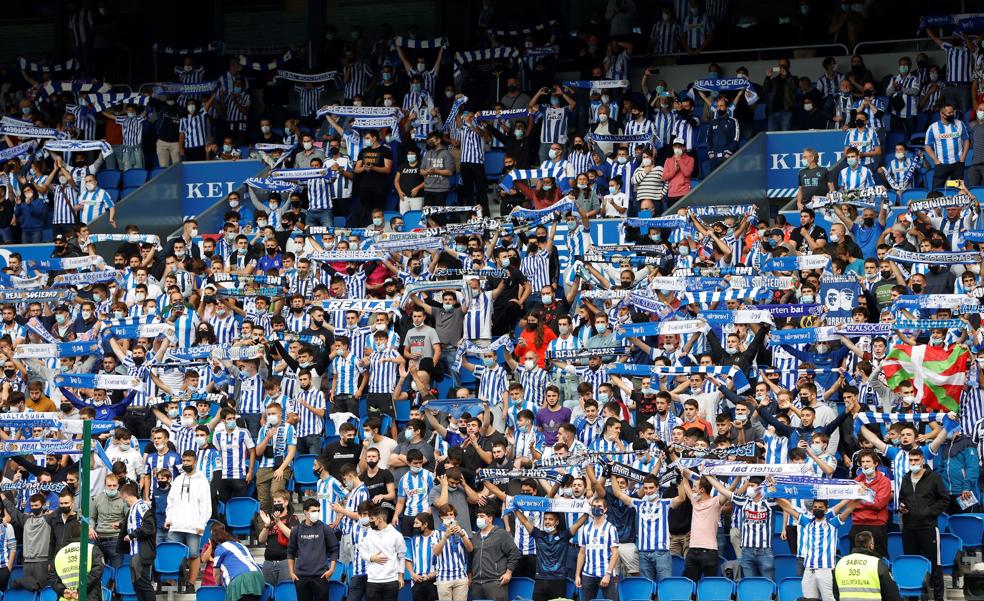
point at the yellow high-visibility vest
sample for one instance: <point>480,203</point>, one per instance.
<point>857,578</point>
<point>67,564</point>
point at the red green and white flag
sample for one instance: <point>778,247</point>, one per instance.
<point>939,374</point>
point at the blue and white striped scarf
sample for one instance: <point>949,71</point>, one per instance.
<point>67,263</point>
<point>26,65</point>
<point>79,146</point>
<point>756,293</point>
<point>107,381</point>
<point>901,183</point>
<point>60,349</point>
<point>268,147</point>
<point>13,281</point>
<point>419,44</point>
<point>85,278</point>
<point>212,47</point>
<point>453,113</point>
<point>954,20</point>
<point>541,51</point>
<point>174,87</point>
<point>802,335</point>
<point>8,128</point>
<point>302,174</point>
<point>470,56</point>
<point>596,84</point>
<point>834,198</point>
<point>101,102</point>
<point>503,115</point>
<point>470,348</point>
<point>265,66</point>
<point>525,174</point>
<point>864,329</point>
<point>811,310</point>
<point>455,407</point>
<point>273,280</point>
<point>730,371</point>
<point>427,243</point>
<point>219,351</point>
<point>523,31</point>
<point>621,138</point>
<point>934,258</point>
<point>796,263</point>
<point>811,487</point>
<point>928,204</point>
<point>723,210</point>
<point>563,205</point>
<point>269,184</point>
<point>374,123</point>
<point>357,111</point>
<point>15,151</point>
<point>76,87</point>
<point>928,324</point>
<point>307,77</point>
<point>932,301</point>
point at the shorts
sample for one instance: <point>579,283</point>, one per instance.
<point>192,541</point>
<point>628,559</point>
<point>380,402</point>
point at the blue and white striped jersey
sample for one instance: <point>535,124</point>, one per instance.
<point>818,541</point>
<point>852,178</point>
<point>755,522</point>
<point>64,204</point>
<point>694,27</point>
<point>182,437</point>
<point>421,552</point>
<point>233,559</point>
<point>536,268</point>
<point>355,498</point>
<point>8,545</point>
<point>663,37</point>
<point>209,461</point>
<point>284,437</point>
<point>94,203</point>
<point>133,521</point>
<point>226,328</point>
<point>522,537</point>
<point>597,542</point>
<point>683,128</point>
<point>829,86</point>
<point>234,448</point>
<point>309,100</point>
<point>909,91</point>
<point>865,140</point>
<point>478,316</point>
<point>346,371</point>
<point>554,124</point>
<point>652,525</point>
<point>383,374</point>
<point>193,128</point>
<point>357,76</point>
<point>535,382</point>
<point>634,127</point>
<point>947,140</point>
<point>618,66</point>
<point>329,490</point>
<point>309,423</point>
<point>492,383</point>
<point>250,400</point>
<point>85,121</point>
<point>132,129</point>
<point>452,562</point>
<point>320,191</point>
<point>958,63</point>
<point>415,488</point>
<point>472,144</point>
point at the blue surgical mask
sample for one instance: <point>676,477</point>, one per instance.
<point>415,88</point>
<point>489,362</point>
<point>852,161</point>
<point>612,190</point>
<point>597,512</point>
<point>602,398</point>
<point>448,306</point>
<point>601,327</point>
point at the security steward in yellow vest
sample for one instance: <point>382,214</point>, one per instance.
<point>862,576</point>
<point>66,585</point>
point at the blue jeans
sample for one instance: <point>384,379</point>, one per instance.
<point>655,565</point>
<point>252,423</point>
<point>757,562</point>
<point>309,445</point>
<point>322,217</point>
<point>31,236</point>
<point>780,121</point>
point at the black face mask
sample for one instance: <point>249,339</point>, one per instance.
<point>819,513</point>
<point>66,407</point>
<point>371,464</point>
<point>208,253</point>
<point>65,510</point>
<point>277,508</point>
<point>188,468</point>
<point>163,484</point>
<point>886,274</point>
<point>271,251</point>
<point>868,221</point>
<point>722,113</point>
<point>10,373</point>
<point>531,326</point>
<point>138,361</point>
<point>917,288</point>
<point>947,118</point>
<point>37,511</point>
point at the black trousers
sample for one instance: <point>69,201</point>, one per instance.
<point>424,591</point>
<point>345,403</point>
<point>311,588</point>
<point>230,488</point>
<point>925,542</point>
<point>378,591</point>
<point>474,186</point>
<point>942,173</point>
<point>369,200</point>
<point>526,566</point>
<point>699,563</point>
<point>195,154</point>
<point>141,576</point>
<point>544,590</point>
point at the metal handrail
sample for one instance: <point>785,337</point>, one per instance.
<point>738,51</point>
<point>899,41</point>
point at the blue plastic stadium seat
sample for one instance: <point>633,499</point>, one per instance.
<point>909,572</point>
<point>239,513</point>
<point>134,178</point>
<point>780,546</point>
<point>634,588</point>
<point>715,588</point>
<point>129,190</point>
<point>676,589</point>
<point>755,589</point>
<point>950,547</point>
<point>894,545</point>
<point>339,221</point>
<point>19,594</point>
<point>286,591</point>
<point>790,589</point>
<point>494,160</point>
<point>114,195</point>
<point>411,220</point>
<point>521,587</point>
<point>304,478</point>
<point>970,529</point>
<point>167,564</point>
<point>155,172</point>
<point>786,566</point>
<point>210,593</point>
<point>338,591</point>
<point>108,179</point>
<point>48,594</point>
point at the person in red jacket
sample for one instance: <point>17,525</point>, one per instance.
<point>676,172</point>
<point>873,516</point>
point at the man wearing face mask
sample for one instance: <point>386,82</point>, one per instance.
<point>192,130</point>
<point>947,144</point>
<point>189,507</point>
<point>312,551</point>
<point>437,169</point>
<point>494,558</point>
<point>780,92</point>
<point>922,498</point>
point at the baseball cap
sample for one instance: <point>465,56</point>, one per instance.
<point>60,238</point>
<point>679,141</point>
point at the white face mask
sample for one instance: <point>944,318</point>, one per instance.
<point>646,161</point>
<point>677,151</point>
<point>273,420</point>
<point>529,364</point>
<point>90,186</point>
<point>387,102</point>
<point>187,422</point>
<point>307,145</point>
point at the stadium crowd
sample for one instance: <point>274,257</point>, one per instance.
<point>454,400</point>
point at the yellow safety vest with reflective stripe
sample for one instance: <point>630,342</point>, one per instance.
<point>857,578</point>
<point>67,564</point>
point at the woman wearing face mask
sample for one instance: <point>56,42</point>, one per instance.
<point>542,196</point>
<point>408,182</point>
<point>647,181</point>
<point>191,130</point>
<point>29,213</point>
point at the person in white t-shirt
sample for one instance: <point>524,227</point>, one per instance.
<point>616,202</point>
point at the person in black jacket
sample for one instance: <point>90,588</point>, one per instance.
<point>519,143</point>
<point>730,353</point>
<point>138,539</point>
<point>922,498</point>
